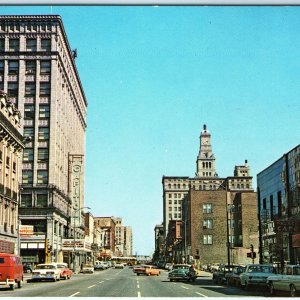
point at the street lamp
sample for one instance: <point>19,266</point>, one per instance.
<point>74,235</point>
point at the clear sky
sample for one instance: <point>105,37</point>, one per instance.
<point>154,75</point>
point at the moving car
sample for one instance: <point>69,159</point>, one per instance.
<point>87,268</point>
<point>27,268</point>
<point>46,272</point>
<point>288,281</point>
<point>168,266</point>
<point>256,275</point>
<point>146,270</point>
<point>65,272</point>
<point>11,270</point>
<point>119,266</point>
<point>179,275</point>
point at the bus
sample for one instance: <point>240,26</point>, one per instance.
<point>128,260</point>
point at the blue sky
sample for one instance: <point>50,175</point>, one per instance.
<point>154,75</point>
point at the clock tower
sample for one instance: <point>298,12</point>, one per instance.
<point>205,159</point>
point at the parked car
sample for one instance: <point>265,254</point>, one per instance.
<point>256,275</point>
<point>27,268</point>
<point>87,268</point>
<point>169,266</point>
<point>233,277</point>
<point>288,281</point>
<point>46,272</point>
<point>219,275</point>
<point>11,270</point>
<point>99,266</point>
<point>65,272</point>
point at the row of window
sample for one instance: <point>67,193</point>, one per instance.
<point>31,45</point>
<point>29,112</point>
<point>175,208</point>
<point>27,177</point>
<point>43,133</point>
<point>177,185</point>
<point>175,195</point>
<point>43,154</point>
<point>175,216</point>
<point>30,67</point>
<point>15,26</point>
<point>175,201</point>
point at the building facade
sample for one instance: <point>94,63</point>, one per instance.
<point>11,147</point>
<point>278,194</point>
<point>128,241</point>
<point>179,194</point>
<point>39,75</point>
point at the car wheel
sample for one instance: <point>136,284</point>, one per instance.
<point>137,274</point>
<point>293,291</point>
<point>247,286</point>
<point>12,286</point>
<point>171,280</point>
<point>272,290</point>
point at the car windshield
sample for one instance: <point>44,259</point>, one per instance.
<point>45,267</point>
<point>261,269</point>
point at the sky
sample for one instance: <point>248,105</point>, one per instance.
<point>153,76</point>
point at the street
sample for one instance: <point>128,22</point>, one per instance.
<point>124,283</point>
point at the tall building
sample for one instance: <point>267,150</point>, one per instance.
<point>128,240</point>
<point>119,237</point>
<point>180,192</point>
<point>278,194</point>
<point>175,188</point>
<point>11,147</point>
<point>39,75</point>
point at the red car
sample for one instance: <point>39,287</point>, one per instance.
<point>65,272</point>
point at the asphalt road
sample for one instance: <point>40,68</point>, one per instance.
<point>124,283</point>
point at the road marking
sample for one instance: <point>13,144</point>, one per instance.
<point>101,281</point>
<point>91,286</point>
<point>184,287</point>
<point>138,286</point>
<point>74,294</point>
<point>201,295</point>
<point>108,278</point>
<point>139,294</point>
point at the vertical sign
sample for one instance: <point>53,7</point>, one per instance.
<point>75,185</point>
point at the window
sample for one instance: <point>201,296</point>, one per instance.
<point>2,45</point>
<point>44,113</point>
<point>45,89</point>
<point>41,200</point>
<point>170,201</point>
<point>29,89</point>
<point>29,132</point>
<point>13,67</point>
<point>12,89</point>
<point>1,67</point>
<point>207,224</point>
<point>43,154</point>
<point>27,177</point>
<point>207,239</point>
<point>30,67</point>
<point>170,208</point>
<point>207,208</point>
<point>45,67</point>
<point>28,154</point>
<point>42,177</point>
<point>31,44</point>
<point>45,44</point>
<point>43,133</point>
<point>14,45</point>
<point>26,200</point>
<point>170,195</point>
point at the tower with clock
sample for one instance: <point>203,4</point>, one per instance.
<point>205,159</point>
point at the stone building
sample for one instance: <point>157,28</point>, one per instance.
<point>11,146</point>
<point>159,251</point>
<point>119,237</point>
<point>278,194</point>
<point>176,191</point>
<point>39,75</point>
<point>128,240</point>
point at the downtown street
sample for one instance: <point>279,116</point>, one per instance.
<point>124,283</point>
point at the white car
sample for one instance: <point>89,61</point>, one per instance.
<point>256,275</point>
<point>46,272</point>
<point>87,268</point>
<point>288,281</point>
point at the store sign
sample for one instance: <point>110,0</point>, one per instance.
<point>77,245</point>
<point>26,230</point>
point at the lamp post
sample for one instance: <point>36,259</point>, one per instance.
<point>74,235</point>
